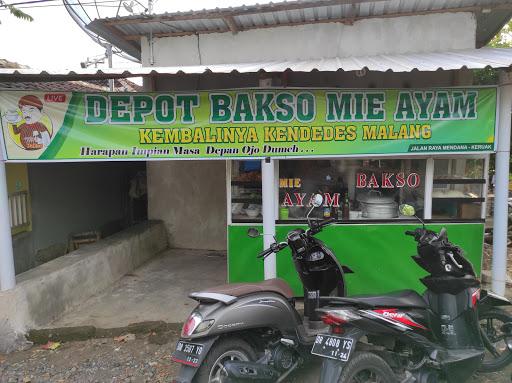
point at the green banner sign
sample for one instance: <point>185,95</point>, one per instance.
<point>254,123</point>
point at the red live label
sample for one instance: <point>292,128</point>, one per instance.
<point>55,97</point>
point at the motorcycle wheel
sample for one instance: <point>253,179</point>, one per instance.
<point>212,369</point>
<point>497,355</point>
<point>367,367</point>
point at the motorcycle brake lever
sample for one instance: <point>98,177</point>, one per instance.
<point>450,254</point>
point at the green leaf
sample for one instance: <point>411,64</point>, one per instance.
<point>19,13</point>
<point>503,38</point>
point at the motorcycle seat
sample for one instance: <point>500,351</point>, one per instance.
<point>402,298</point>
<point>275,285</point>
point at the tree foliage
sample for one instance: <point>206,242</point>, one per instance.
<point>490,76</point>
<point>16,12</point>
<point>503,39</point>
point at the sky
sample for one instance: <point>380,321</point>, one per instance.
<point>54,41</point>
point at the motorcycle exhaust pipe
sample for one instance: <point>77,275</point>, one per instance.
<point>425,376</point>
<point>239,372</point>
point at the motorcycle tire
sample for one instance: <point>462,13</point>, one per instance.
<point>367,366</point>
<point>224,349</point>
<point>505,358</point>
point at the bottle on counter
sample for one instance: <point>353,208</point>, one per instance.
<point>346,208</point>
<point>327,212</point>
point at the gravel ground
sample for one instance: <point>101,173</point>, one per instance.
<point>96,360</point>
<point>139,360</point>
<point>487,259</point>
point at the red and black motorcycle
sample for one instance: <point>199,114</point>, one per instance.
<point>405,337</point>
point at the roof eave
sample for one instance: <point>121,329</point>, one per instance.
<point>399,63</point>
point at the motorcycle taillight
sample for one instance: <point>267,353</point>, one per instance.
<point>475,297</point>
<point>339,317</point>
<point>191,324</point>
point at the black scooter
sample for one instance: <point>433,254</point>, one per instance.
<point>405,337</point>
<point>252,331</point>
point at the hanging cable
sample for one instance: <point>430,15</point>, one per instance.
<point>34,4</point>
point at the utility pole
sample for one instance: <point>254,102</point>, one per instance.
<point>7,273</point>
<point>499,256</point>
<point>109,57</point>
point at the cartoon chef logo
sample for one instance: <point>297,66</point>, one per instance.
<point>29,127</point>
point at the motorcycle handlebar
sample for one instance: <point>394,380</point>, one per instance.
<point>265,253</point>
<point>428,237</point>
<point>274,248</point>
<point>326,222</point>
<point>315,227</point>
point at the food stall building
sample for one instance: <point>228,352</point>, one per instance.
<point>370,103</point>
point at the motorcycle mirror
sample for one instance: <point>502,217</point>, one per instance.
<point>253,232</point>
<point>407,210</point>
<point>318,200</point>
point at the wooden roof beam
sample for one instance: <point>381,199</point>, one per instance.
<point>231,23</point>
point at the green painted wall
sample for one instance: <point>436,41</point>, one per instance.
<point>379,254</point>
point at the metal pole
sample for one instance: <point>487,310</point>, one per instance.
<point>7,273</point>
<point>499,257</point>
<point>109,57</point>
<point>429,185</point>
<point>483,212</point>
<point>269,221</point>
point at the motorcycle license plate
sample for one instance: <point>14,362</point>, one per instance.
<point>187,353</point>
<point>334,347</point>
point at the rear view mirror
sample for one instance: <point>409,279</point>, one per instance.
<point>318,200</point>
<point>407,210</point>
<point>253,232</point>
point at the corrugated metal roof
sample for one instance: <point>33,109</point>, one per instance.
<point>425,62</point>
<point>120,85</point>
<point>235,19</point>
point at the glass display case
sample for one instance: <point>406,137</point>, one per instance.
<point>246,191</point>
<point>358,190</point>
<point>458,188</point>
<point>352,189</point>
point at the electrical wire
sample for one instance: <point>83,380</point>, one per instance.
<point>33,4</point>
<point>29,2</point>
<point>81,18</point>
<point>60,5</point>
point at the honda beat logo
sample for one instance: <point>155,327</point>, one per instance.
<point>55,97</point>
<point>398,316</point>
<point>392,313</point>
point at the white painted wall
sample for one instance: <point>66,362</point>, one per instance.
<point>427,33</point>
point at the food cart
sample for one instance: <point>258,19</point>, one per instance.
<point>367,152</point>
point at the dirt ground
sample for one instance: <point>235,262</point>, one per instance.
<point>487,259</point>
<point>140,359</point>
